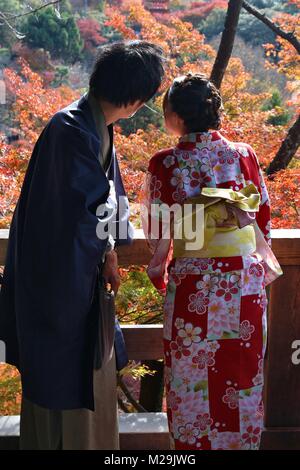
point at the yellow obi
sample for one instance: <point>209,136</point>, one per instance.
<point>222,236</point>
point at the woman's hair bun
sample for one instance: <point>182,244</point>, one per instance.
<point>197,101</point>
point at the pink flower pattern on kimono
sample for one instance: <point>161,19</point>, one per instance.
<point>189,158</point>
<point>180,177</point>
<point>177,277</point>
<point>192,403</point>
<point>198,303</point>
<point>203,422</point>
<point>220,323</point>
<point>179,323</point>
<point>251,407</point>
<point>168,315</point>
<point>168,161</point>
<point>258,379</point>
<point>191,265</point>
<point>208,284</point>
<point>251,436</point>
<point>199,179</point>
<point>213,346</point>
<point>155,185</point>
<point>233,310</point>
<point>231,397</point>
<point>252,279</point>
<point>168,376</point>
<point>173,400</point>
<point>246,330</point>
<point>202,263</point>
<point>243,151</point>
<point>188,433</point>
<point>205,165</point>
<point>256,269</point>
<point>178,348</point>
<point>227,156</point>
<point>225,441</point>
<point>251,417</point>
<point>179,195</point>
<point>204,359</point>
<point>190,334</point>
<point>227,290</point>
<point>186,371</point>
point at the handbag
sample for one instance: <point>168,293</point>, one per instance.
<point>106,322</point>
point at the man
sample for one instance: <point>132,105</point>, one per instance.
<point>48,316</point>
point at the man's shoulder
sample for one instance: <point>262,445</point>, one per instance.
<point>72,118</point>
<point>73,126</point>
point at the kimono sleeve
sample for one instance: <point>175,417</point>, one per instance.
<point>156,227</point>
<point>263,216</point>
<point>272,269</point>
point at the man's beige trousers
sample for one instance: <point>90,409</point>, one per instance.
<point>80,429</point>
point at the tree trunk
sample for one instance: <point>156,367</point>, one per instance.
<point>287,149</point>
<point>227,41</point>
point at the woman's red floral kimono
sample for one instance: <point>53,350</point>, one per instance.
<point>215,308</point>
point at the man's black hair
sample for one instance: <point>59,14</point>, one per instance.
<point>126,72</point>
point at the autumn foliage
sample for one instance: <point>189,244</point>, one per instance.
<point>202,9</point>
<point>90,32</point>
<point>34,104</point>
<point>187,50</point>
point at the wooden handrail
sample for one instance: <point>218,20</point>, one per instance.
<point>285,244</point>
<point>282,377</point>
<point>144,341</point>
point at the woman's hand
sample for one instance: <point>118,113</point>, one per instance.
<point>110,270</point>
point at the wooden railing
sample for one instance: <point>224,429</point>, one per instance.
<point>282,377</point>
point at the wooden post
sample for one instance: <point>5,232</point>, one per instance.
<point>282,377</point>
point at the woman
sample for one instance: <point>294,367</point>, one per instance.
<point>215,298</point>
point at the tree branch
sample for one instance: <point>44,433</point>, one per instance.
<point>123,406</point>
<point>129,396</point>
<point>6,18</point>
<point>289,36</point>
<point>4,21</point>
<point>13,17</point>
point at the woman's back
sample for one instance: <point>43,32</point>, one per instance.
<point>203,159</point>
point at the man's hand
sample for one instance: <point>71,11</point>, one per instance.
<point>110,270</point>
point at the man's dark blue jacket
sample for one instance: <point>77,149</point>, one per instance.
<point>47,319</point>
